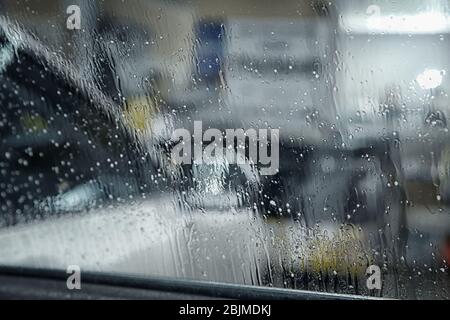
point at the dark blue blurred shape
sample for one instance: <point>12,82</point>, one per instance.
<point>210,49</point>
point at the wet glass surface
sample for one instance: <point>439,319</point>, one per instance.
<point>347,102</point>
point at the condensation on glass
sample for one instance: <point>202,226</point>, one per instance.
<point>357,89</point>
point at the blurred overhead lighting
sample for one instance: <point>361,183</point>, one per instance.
<point>429,22</point>
<point>375,22</point>
<point>430,79</point>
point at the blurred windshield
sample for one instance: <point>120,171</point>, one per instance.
<point>290,144</point>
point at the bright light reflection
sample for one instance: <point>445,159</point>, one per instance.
<point>430,79</point>
<point>428,22</point>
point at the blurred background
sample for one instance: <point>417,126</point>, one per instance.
<point>358,90</point>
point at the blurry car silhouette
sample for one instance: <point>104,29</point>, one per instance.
<point>58,133</point>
